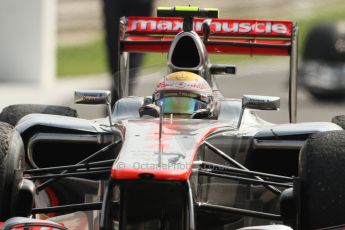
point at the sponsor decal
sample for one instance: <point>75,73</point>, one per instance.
<point>182,80</point>
<point>218,26</point>
<point>181,85</point>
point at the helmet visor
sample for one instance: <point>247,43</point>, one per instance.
<point>181,105</point>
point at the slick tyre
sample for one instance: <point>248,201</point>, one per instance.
<point>11,168</point>
<point>322,190</point>
<point>339,120</point>
<point>13,113</point>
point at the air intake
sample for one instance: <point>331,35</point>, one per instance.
<point>185,53</point>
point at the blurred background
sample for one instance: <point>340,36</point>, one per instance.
<point>80,61</point>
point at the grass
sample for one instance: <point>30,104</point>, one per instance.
<point>85,59</point>
<point>91,58</point>
<point>327,14</point>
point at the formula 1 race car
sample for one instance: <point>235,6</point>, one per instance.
<point>183,158</point>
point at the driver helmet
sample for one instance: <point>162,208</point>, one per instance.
<point>182,93</point>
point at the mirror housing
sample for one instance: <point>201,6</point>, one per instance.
<point>92,97</point>
<point>151,110</point>
<point>222,69</point>
<point>201,114</point>
<point>258,102</point>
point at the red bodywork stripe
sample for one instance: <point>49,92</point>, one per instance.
<point>216,46</point>
<point>54,201</point>
<point>130,174</point>
<point>213,49</point>
<point>169,174</point>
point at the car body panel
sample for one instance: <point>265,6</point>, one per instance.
<point>55,121</point>
<point>180,140</point>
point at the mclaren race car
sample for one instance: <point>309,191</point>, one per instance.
<point>183,158</point>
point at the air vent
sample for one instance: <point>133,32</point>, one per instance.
<point>185,54</point>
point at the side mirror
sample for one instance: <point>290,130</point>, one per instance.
<point>92,97</point>
<point>30,224</point>
<point>201,114</point>
<point>222,69</point>
<point>258,102</point>
<point>149,110</point>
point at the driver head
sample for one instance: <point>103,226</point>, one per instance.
<point>182,94</point>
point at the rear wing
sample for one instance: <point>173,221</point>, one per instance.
<point>227,36</point>
<point>253,37</point>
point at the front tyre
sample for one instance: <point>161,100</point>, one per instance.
<point>339,120</point>
<point>13,113</point>
<point>11,168</point>
<point>322,173</point>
